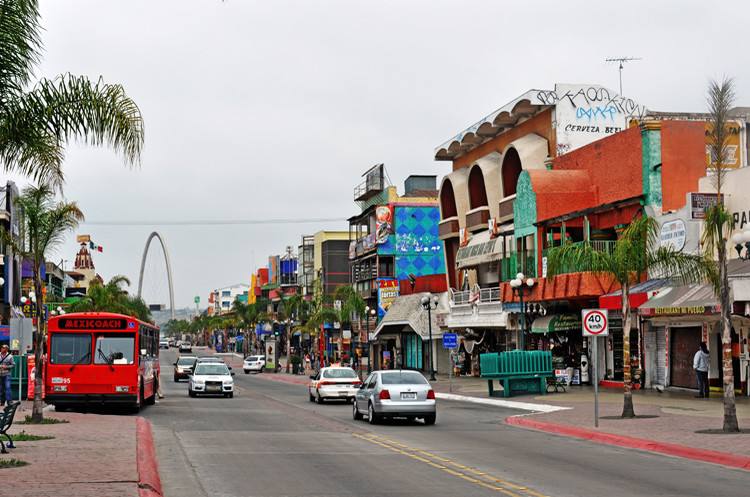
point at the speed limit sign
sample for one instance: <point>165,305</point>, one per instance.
<point>595,322</point>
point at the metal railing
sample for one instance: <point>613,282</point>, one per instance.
<point>606,246</point>
<point>475,295</point>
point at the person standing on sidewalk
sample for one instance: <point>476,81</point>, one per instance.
<point>700,364</point>
<point>571,362</point>
<point>6,366</point>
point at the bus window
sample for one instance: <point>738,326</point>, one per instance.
<point>115,349</point>
<point>73,348</point>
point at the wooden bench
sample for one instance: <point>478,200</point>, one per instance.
<point>519,371</point>
<point>6,420</point>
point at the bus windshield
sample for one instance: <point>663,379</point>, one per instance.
<point>70,348</point>
<point>115,349</point>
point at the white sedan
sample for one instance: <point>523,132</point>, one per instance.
<point>334,383</point>
<point>211,378</point>
<point>254,363</point>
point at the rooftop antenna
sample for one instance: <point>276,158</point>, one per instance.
<point>622,61</point>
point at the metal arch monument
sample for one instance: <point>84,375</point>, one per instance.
<point>155,234</point>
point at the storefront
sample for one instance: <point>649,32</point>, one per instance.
<point>562,335</point>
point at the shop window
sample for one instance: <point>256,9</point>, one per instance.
<point>385,267</point>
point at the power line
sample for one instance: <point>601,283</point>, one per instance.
<point>209,222</point>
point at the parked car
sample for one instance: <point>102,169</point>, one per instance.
<point>254,363</point>
<point>171,342</point>
<point>211,378</point>
<point>185,346</point>
<point>395,394</point>
<point>163,344</point>
<point>334,383</point>
<point>183,367</point>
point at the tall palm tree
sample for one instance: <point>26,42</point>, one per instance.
<point>45,223</point>
<point>38,118</point>
<point>636,253</point>
<point>719,225</point>
<point>112,297</point>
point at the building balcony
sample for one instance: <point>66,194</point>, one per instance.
<point>371,186</point>
<point>448,228</point>
<point>606,246</point>
<point>505,213</point>
<point>476,308</point>
<point>515,263</point>
<point>476,219</point>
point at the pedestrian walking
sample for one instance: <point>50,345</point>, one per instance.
<point>700,364</point>
<point>6,366</point>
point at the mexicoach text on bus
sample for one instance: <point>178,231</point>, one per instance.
<point>92,324</point>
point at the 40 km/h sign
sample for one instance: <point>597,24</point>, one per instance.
<point>595,322</point>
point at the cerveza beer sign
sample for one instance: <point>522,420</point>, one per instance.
<point>92,324</point>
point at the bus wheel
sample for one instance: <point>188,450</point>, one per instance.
<point>152,400</point>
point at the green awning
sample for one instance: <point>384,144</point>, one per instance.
<point>556,323</point>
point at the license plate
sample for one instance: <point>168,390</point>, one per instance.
<point>409,396</point>
<point>213,389</point>
<point>343,392</point>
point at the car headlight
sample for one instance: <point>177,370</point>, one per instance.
<point>198,382</point>
<point>228,382</point>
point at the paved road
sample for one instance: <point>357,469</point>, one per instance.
<point>270,441</point>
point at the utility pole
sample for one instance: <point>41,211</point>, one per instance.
<point>622,61</point>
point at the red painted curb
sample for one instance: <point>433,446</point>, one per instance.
<point>149,482</point>
<point>676,450</point>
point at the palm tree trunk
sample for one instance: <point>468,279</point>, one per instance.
<point>288,344</point>
<point>627,407</point>
<point>730,409</point>
<point>37,412</point>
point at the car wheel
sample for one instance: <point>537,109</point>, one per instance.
<point>262,369</point>
<point>176,379</point>
<point>430,419</point>
<point>231,395</point>
<point>191,393</point>
<point>247,371</point>
<point>356,415</point>
<point>350,400</point>
<point>371,416</point>
<point>312,397</point>
<point>320,399</point>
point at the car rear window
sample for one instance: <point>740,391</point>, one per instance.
<point>253,358</point>
<point>403,378</point>
<point>339,373</point>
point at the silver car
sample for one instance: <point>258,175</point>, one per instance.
<point>395,394</point>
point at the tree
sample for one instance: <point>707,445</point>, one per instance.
<point>636,253</point>
<point>37,121</point>
<point>249,316</point>
<point>112,297</point>
<point>289,309</point>
<point>45,222</point>
<point>719,225</point>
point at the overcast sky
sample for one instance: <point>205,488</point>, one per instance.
<point>273,109</point>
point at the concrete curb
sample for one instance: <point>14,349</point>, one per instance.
<point>675,450</point>
<point>512,404</point>
<point>149,482</point>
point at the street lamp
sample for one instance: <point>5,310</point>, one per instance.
<point>741,242</point>
<point>429,304</point>
<point>520,284</point>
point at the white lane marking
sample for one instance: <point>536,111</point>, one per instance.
<point>525,406</point>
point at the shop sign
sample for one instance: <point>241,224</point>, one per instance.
<point>673,234</point>
<point>741,219</point>
<point>388,291</point>
<point>697,310</point>
<point>700,203</point>
<point>733,146</point>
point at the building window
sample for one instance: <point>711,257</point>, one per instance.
<point>385,267</point>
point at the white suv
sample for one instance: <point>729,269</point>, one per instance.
<point>254,363</point>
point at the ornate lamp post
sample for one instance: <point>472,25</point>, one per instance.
<point>429,303</point>
<point>742,244</point>
<point>520,285</point>
<point>369,312</point>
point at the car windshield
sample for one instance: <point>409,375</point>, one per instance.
<point>210,369</point>
<point>114,349</point>
<point>74,348</point>
<point>185,361</point>
<point>339,373</point>
<point>403,378</point>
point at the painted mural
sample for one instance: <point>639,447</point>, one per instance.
<point>415,241</point>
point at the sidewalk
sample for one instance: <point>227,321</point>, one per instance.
<point>92,455</point>
<point>671,417</point>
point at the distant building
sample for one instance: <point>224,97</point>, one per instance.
<point>221,299</point>
<point>324,257</point>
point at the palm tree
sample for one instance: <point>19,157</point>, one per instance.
<point>289,309</point>
<point>112,297</point>
<point>38,119</point>
<point>249,316</point>
<point>718,228</point>
<point>45,223</point>
<point>636,254</point>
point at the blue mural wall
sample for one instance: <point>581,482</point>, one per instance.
<point>415,243</point>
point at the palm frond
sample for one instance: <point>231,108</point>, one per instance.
<point>720,100</point>
<point>581,256</point>
<point>20,44</point>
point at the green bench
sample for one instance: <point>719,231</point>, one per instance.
<point>519,371</point>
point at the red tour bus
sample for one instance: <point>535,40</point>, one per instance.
<point>96,358</point>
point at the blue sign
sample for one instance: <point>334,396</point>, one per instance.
<point>450,341</point>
